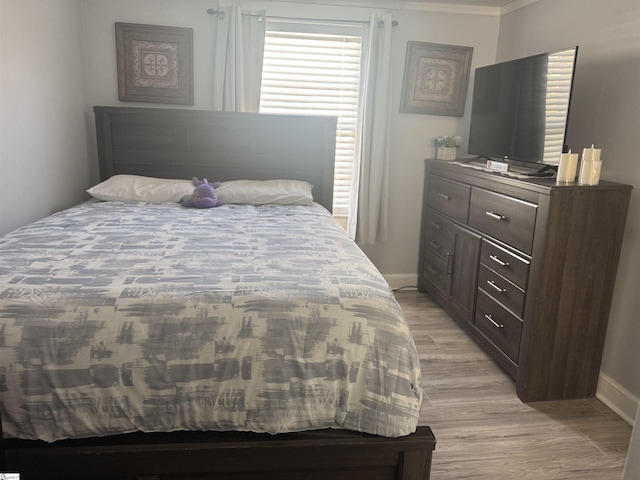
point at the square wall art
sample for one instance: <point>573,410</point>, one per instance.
<point>436,78</point>
<point>155,63</point>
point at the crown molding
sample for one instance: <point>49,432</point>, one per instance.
<point>515,5</point>
<point>420,6</point>
<point>443,8</point>
<point>401,5</point>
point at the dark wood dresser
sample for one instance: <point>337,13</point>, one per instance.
<point>527,267</point>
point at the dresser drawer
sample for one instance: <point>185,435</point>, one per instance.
<point>439,234</point>
<point>502,290</point>
<point>435,271</point>
<point>504,218</point>
<point>505,263</point>
<point>448,197</point>
<point>499,325</point>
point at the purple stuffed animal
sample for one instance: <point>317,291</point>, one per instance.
<point>204,196</point>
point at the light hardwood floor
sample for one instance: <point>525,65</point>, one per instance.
<point>484,431</point>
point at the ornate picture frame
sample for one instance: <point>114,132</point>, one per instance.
<point>436,78</point>
<point>155,63</point>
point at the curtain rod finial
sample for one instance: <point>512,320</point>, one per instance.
<point>219,13</point>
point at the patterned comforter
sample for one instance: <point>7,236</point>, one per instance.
<point>121,317</point>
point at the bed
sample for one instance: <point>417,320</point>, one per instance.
<point>141,339</point>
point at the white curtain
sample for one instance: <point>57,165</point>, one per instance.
<point>367,220</point>
<point>239,51</point>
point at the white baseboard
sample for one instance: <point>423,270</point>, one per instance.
<point>617,398</point>
<point>397,281</point>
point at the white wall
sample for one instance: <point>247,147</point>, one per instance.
<point>43,131</point>
<point>605,108</point>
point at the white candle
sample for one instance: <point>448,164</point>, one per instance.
<point>591,154</point>
<point>590,166</point>
<point>567,167</point>
<point>590,173</point>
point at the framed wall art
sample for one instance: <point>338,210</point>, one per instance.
<point>436,78</point>
<point>155,63</point>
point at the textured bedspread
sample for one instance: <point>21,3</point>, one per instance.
<point>118,317</point>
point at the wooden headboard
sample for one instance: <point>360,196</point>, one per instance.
<point>219,146</point>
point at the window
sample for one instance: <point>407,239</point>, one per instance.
<point>559,75</point>
<point>315,70</point>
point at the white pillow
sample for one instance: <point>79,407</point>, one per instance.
<point>262,192</point>
<point>144,189</point>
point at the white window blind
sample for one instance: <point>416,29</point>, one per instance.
<point>559,73</point>
<point>316,74</point>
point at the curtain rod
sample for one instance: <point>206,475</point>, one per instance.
<point>221,14</point>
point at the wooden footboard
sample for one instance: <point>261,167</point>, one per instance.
<point>333,454</point>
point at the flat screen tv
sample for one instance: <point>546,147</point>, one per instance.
<point>520,108</point>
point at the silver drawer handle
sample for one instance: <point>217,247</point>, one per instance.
<point>493,285</point>
<point>444,196</point>
<point>495,324</point>
<point>437,226</point>
<point>498,261</point>
<point>435,246</point>
<point>496,216</point>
